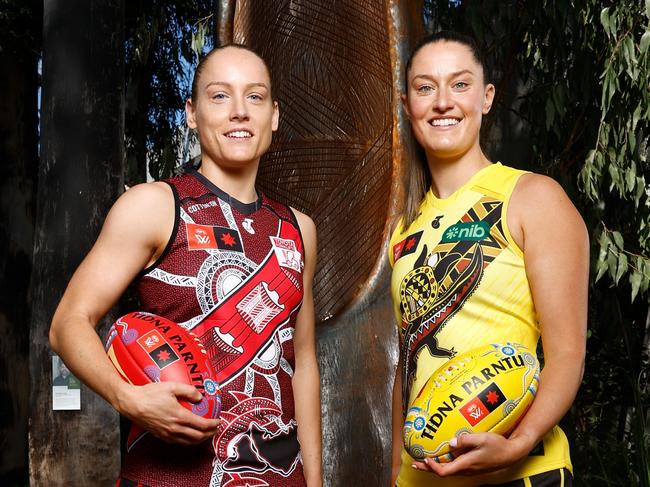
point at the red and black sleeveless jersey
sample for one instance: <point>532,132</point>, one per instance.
<point>232,274</point>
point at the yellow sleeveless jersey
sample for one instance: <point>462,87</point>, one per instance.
<point>459,282</point>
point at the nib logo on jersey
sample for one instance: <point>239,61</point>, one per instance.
<point>466,231</point>
<point>483,404</point>
<point>158,349</point>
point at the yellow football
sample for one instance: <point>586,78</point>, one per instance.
<point>486,389</point>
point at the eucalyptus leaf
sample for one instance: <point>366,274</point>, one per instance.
<point>632,144</point>
<point>645,282</point>
<point>604,241</point>
<point>644,43</point>
<point>601,269</point>
<point>636,116</point>
<point>635,280</point>
<point>612,263</point>
<point>613,23</point>
<point>640,191</point>
<point>604,20</point>
<point>618,239</point>
<point>629,47</point>
<point>621,267</point>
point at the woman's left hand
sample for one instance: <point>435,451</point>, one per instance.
<point>477,454</point>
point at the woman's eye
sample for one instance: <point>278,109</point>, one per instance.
<point>258,97</point>
<point>425,89</point>
<point>219,96</point>
<point>461,85</point>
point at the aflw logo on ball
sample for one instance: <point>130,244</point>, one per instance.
<point>483,404</point>
<point>486,389</point>
<point>158,349</point>
<point>479,406</point>
<point>165,346</point>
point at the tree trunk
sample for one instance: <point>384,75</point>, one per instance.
<point>18,170</point>
<point>81,174</point>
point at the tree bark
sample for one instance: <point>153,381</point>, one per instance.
<point>20,34</point>
<point>80,175</point>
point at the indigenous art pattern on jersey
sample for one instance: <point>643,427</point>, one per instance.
<point>465,286</point>
<point>232,274</point>
<point>443,278</point>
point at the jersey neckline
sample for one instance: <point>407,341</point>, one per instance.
<point>445,202</point>
<point>243,208</point>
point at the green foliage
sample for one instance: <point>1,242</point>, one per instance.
<point>161,46</point>
<point>621,146</point>
<point>574,74</point>
<point>201,35</point>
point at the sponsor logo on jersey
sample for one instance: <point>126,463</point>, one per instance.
<point>466,231</point>
<point>247,223</point>
<point>228,239</point>
<point>201,206</point>
<point>406,246</point>
<point>483,404</point>
<point>286,253</point>
<point>200,237</point>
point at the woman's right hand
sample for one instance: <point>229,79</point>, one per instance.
<point>156,408</point>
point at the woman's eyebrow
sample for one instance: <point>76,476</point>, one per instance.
<point>228,85</point>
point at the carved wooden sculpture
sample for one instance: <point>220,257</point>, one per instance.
<point>338,156</point>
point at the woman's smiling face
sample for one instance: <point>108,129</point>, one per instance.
<point>446,99</point>
<point>233,110</point>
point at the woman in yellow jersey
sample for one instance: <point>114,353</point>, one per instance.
<point>483,254</point>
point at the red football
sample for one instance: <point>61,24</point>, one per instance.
<point>147,348</point>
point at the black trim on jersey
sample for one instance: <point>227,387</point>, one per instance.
<point>294,222</point>
<point>172,237</point>
<point>297,225</point>
<point>267,204</point>
<point>552,478</point>
<point>198,199</point>
<point>243,208</point>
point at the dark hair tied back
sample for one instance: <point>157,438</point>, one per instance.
<point>452,36</point>
<point>419,178</point>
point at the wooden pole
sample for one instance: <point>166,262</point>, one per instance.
<point>80,175</point>
<point>18,172</point>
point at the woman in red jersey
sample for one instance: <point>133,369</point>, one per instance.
<point>210,252</point>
